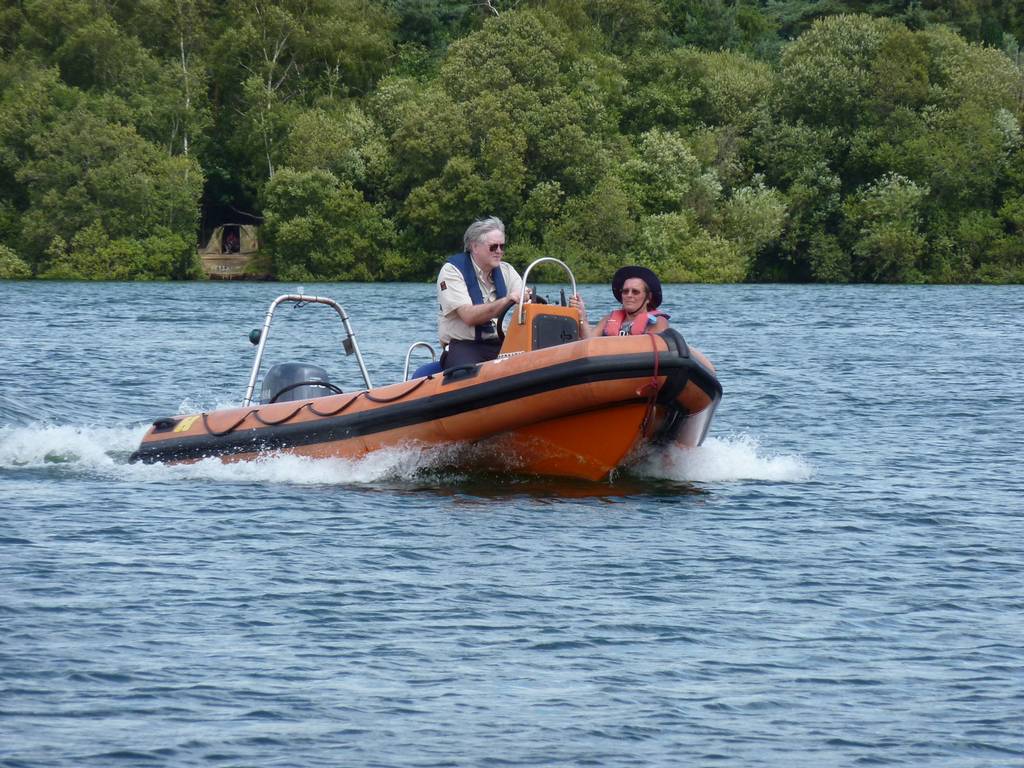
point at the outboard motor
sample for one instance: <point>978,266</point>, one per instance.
<point>295,381</point>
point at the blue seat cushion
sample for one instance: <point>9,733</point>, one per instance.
<point>427,369</point>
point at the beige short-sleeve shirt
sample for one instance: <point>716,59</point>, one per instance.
<point>452,293</point>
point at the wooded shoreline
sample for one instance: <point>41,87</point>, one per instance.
<point>711,141</point>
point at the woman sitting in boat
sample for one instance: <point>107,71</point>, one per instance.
<point>638,290</point>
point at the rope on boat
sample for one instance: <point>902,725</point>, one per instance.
<point>255,412</point>
<point>282,420</point>
<point>650,389</point>
<point>409,391</point>
<point>337,410</point>
<point>229,430</point>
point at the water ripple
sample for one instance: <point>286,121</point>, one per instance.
<point>832,579</point>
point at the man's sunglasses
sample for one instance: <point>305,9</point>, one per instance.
<point>495,247</point>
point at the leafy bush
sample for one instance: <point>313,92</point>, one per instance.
<point>93,255</point>
<point>883,221</point>
<point>12,267</point>
<point>317,227</point>
<point>680,251</point>
<point>753,217</point>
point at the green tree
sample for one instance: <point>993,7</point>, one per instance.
<point>83,170</point>
<point>438,210</point>
<point>682,251</point>
<point>722,24</point>
<point>665,177</point>
<point>714,100</point>
<point>11,266</point>
<point>31,97</point>
<point>343,140</point>
<point>883,226</point>
<point>523,71</point>
<point>278,58</point>
<point>303,50</point>
<point>603,129</point>
<point>426,127</point>
<point>317,227</point>
<point>752,219</point>
<point>178,33</point>
<point>543,204</point>
<point>809,248</point>
<point>594,230</point>
<point>515,105</point>
<point>827,75</point>
<point>735,90</point>
<point>663,90</point>
<point>94,255</point>
<point>627,24</point>
<point>925,106</point>
<point>97,54</point>
<point>47,25</point>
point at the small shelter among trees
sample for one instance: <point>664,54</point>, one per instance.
<point>232,252</point>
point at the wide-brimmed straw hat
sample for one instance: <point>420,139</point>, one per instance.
<point>651,279</point>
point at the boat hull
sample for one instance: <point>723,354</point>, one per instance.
<point>576,410</point>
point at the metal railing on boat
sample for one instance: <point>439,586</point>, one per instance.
<point>349,344</point>
<point>408,356</point>
<point>544,259</point>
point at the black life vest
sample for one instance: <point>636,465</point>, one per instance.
<point>464,262</point>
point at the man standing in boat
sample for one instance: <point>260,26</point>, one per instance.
<point>473,289</point>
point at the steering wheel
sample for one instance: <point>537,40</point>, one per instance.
<point>501,321</point>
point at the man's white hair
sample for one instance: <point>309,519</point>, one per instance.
<point>479,228</point>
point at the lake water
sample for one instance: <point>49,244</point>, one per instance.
<point>836,578</point>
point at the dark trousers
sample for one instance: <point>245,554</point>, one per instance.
<point>469,352</point>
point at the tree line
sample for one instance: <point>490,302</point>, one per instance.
<point>712,140</point>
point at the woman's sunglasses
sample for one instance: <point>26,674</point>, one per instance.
<point>633,291</point>
<point>495,247</point>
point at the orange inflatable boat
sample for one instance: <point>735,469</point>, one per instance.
<point>551,404</point>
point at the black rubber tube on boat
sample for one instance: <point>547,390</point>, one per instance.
<point>310,383</point>
<point>408,411</point>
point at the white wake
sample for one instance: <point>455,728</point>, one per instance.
<point>724,459</point>
<point>104,450</point>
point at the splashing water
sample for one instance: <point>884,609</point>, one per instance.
<point>288,469</point>
<point>725,459</point>
<point>105,450</point>
<point>41,445</point>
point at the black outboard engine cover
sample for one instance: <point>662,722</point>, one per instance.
<point>295,381</point>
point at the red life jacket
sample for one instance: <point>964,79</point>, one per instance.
<point>640,322</point>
